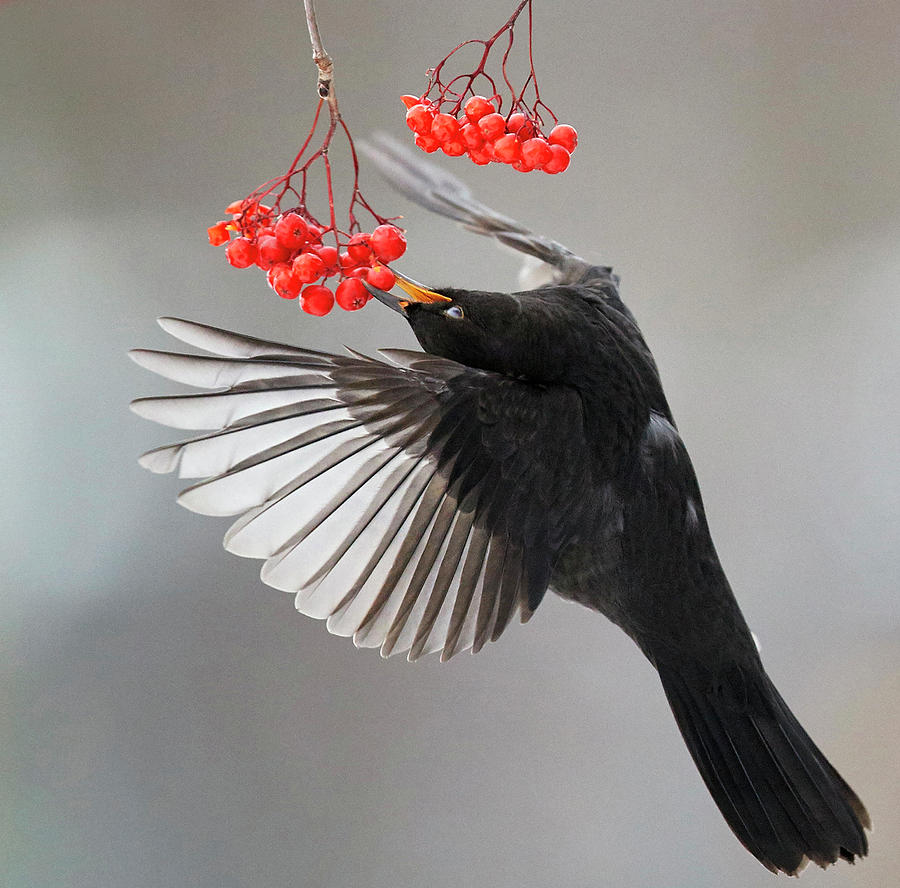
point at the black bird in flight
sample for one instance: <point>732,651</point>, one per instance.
<point>417,502</point>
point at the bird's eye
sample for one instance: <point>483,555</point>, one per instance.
<point>454,312</point>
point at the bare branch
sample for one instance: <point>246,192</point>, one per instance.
<point>325,85</point>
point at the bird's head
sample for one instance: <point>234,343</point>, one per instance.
<point>541,335</point>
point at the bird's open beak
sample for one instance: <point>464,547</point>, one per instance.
<point>415,291</point>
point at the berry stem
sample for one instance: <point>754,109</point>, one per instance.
<point>288,242</point>
<point>456,95</point>
<point>331,214</point>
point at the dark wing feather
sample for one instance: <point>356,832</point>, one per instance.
<point>433,188</point>
<point>415,505</point>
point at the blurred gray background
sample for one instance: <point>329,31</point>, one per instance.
<point>170,722</point>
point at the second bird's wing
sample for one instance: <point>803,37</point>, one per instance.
<point>410,503</point>
<point>437,190</point>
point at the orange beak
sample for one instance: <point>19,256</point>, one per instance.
<point>417,292</point>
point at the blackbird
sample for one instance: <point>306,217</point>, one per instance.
<point>418,501</point>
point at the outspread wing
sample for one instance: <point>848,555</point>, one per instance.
<point>414,504</point>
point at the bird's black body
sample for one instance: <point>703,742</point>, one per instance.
<point>627,535</point>
<point>530,448</point>
<point>618,478</point>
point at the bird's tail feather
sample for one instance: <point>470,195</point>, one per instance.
<point>429,185</point>
<point>777,791</point>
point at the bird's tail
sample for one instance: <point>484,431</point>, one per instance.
<point>778,792</point>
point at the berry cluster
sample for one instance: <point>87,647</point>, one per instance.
<point>288,246</point>
<point>487,136</point>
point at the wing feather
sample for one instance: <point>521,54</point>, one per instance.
<point>409,504</point>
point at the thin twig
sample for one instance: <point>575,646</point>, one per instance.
<point>325,85</point>
<point>277,189</point>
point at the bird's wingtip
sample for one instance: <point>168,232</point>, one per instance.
<point>141,356</point>
<point>169,323</point>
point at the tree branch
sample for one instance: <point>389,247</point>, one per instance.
<point>325,85</point>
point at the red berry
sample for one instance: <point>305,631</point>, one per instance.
<point>315,233</point>
<point>527,131</point>
<point>506,149</point>
<point>515,122</point>
<point>454,148</point>
<point>409,101</point>
<point>241,252</point>
<point>351,294</point>
<point>276,269</point>
<point>388,243</point>
<point>559,162</point>
<point>477,107</point>
<point>492,126</point>
<point>471,136</point>
<point>292,230</point>
<point>218,234</point>
<point>359,271</point>
<point>564,135</point>
<point>317,299</point>
<point>481,156</point>
<point>359,248</point>
<point>235,206</point>
<point>346,261</point>
<point>252,219</point>
<point>270,251</point>
<point>381,277</point>
<point>419,118</point>
<point>427,143</point>
<point>536,152</point>
<point>308,267</point>
<point>445,127</point>
<point>286,284</point>
<point>522,167</point>
<point>329,256</point>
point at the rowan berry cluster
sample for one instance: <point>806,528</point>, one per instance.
<point>479,130</point>
<point>289,247</point>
